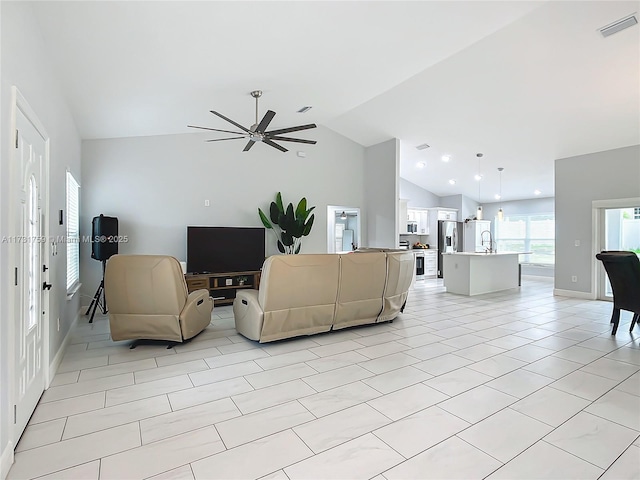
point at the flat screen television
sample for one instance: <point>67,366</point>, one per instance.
<point>225,249</point>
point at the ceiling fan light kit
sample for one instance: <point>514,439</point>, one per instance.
<point>258,131</point>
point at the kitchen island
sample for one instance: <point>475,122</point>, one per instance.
<point>471,273</point>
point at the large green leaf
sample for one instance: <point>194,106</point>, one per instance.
<point>281,247</point>
<point>297,228</point>
<point>301,210</point>
<point>282,221</point>
<point>290,216</point>
<point>287,239</point>
<point>274,212</point>
<point>279,202</point>
<point>308,225</point>
<point>308,212</point>
<point>265,220</point>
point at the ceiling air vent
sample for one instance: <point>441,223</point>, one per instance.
<point>424,146</point>
<point>618,25</point>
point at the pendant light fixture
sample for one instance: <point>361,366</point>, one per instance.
<point>500,211</point>
<point>343,216</point>
<point>479,179</point>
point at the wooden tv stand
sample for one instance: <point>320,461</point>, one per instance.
<point>222,286</point>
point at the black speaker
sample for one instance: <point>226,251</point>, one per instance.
<point>104,237</point>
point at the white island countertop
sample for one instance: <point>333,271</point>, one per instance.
<point>474,273</point>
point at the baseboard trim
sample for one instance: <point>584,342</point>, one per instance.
<point>573,294</point>
<point>57,360</point>
<point>6,460</point>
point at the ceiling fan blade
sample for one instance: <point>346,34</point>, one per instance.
<point>291,129</point>
<point>274,145</point>
<point>231,121</point>
<point>266,120</point>
<point>221,139</point>
<point>248,146</point>
<point>216,130</point>
<point>289,139</point>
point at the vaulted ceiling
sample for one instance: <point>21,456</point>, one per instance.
<point>524,82</point>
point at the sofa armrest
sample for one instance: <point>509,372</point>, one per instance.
<point>196,313</point>
<point>248,314</point>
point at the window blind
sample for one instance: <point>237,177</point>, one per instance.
<point>73,232</point>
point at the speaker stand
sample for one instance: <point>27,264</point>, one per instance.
<point>99,299</point>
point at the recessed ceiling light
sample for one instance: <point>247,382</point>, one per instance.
<point>305,109</point>
<point>497,197</point>
<point>421,164</point>
<point>537,192</point>
<point>446,158</point>
<point>422,146</point>
<point>452,182</point>
<point>478,177</point>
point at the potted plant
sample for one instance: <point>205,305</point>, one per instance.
<point>241,280</point>
<point>293,224</point>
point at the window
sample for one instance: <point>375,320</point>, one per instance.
<point>528,233</point>
<point>73,233</point>
<point>636,213</point>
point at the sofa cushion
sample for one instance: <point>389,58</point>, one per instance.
<point>362,281</point>
<point>298,294</point>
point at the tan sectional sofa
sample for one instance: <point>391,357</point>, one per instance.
<point>307,294</point>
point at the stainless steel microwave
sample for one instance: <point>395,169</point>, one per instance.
<point>412,227</point>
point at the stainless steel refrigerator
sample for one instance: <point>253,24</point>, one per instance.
<point>449,239</point>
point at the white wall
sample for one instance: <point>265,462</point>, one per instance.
<point>25,65</point>
<point>417,196</point>
<point>466,206</point>
<point>613,174</point>
<point>381,177</point>
<point>157,185</point>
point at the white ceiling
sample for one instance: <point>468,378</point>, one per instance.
<point>522,82</point>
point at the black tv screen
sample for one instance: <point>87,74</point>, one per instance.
<point>225,249</point>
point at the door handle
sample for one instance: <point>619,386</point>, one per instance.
<point>46,286</point>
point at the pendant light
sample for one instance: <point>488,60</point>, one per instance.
<point>479,178</point>
<point>343,216</point>
<point>500,211</point>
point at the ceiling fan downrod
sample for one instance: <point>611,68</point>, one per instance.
<point>256,94</point>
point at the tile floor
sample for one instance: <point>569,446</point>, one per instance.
<point>513,385</point>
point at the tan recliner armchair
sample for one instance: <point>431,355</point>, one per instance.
<point>148,299</point>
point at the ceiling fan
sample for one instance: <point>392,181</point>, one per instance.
<point>257,132</point>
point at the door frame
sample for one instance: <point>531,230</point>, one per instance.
<point>18,102</point>
<point>598,208</point>
<point>331,225</point>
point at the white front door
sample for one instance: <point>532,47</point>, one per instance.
<point>30,170</point>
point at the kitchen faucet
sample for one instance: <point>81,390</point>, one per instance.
<point>489,249</point>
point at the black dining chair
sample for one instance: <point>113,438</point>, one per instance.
<point>623,269</point>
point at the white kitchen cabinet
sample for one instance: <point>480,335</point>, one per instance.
<point>423,222</point>
<point>447,214</point>
<point>421,217</point>
<point>430,263</point>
